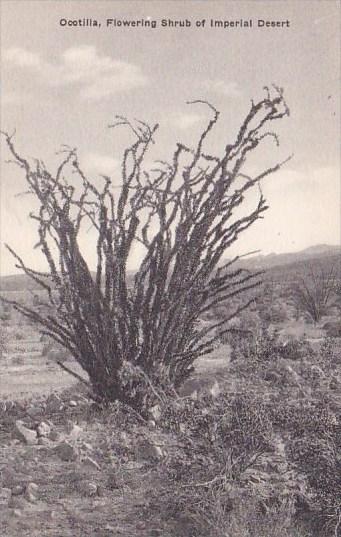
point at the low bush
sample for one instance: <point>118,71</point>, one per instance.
<point>265,460</point>
<point>3,341</point>
<point>219,479</point>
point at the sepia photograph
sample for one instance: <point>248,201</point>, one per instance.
<point>170,268</point>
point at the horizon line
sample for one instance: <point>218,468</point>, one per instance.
<point>257,252</point>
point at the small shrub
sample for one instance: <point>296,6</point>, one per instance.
<point>254,348</point>
<point>3,341</point>
<point>314,289</point>
<point>295,349</point>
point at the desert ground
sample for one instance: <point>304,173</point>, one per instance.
<point>72,468</point>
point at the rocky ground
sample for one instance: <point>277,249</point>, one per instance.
<point>68,468</point>
<point>64,474</point>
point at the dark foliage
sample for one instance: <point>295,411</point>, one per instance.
<point>136,343</point>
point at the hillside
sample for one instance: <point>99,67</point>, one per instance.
<point>291,261</point>
<point>22,282</point>
<point>249,446</point>
<point>320,251</point>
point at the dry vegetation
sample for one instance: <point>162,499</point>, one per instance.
<point>256,454</point>
<point>195,407</point>
<point>139,343</point>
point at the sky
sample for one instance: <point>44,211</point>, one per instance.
<point>63,84</point>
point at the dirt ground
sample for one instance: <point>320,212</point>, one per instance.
<point>25,372</point>
<point>64,507</point>
<point>72,498</point>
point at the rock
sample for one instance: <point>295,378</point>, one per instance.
<point>133,465</point>
<point>31,492</point>
<point>272,376</point>
<point>32,488</point>
<point>43,441</point>
<point>90,463</point>
<point>76,476</point>
<point>294,377</point>
<point>155,413</point>
<point>11,478</point>
<point>17,512</point>
<point>17,490</point>
<point>25,435</point>
<point>54,403</point>
<point>86,446</point>
<point>100,491</point>
<point>316,371</point>
<point>124,440</point>
<point>146,450</point>
<point>66,452</point>
<point>73,430</point>
<point>89,489</point>
<point>43,429</point>
<point>182,428</point>
<point>215,389</point>
<point>332,328</point>
<point>72,403</point>
<point>279,467</point>
<point>189,387</point>
<point>34,411</point>
<point>334,384</point>
<point>55,436</point>
<point>5,496</point>
<point>7,406</point>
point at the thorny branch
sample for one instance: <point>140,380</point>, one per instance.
<point>183,212</point>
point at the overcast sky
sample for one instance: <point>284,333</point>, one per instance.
<point>63,85</point>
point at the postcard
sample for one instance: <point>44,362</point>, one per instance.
<point>170,276</point>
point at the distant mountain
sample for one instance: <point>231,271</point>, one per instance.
<point>276,260</point>
<point>17,282</point>
<point>21,282</point>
